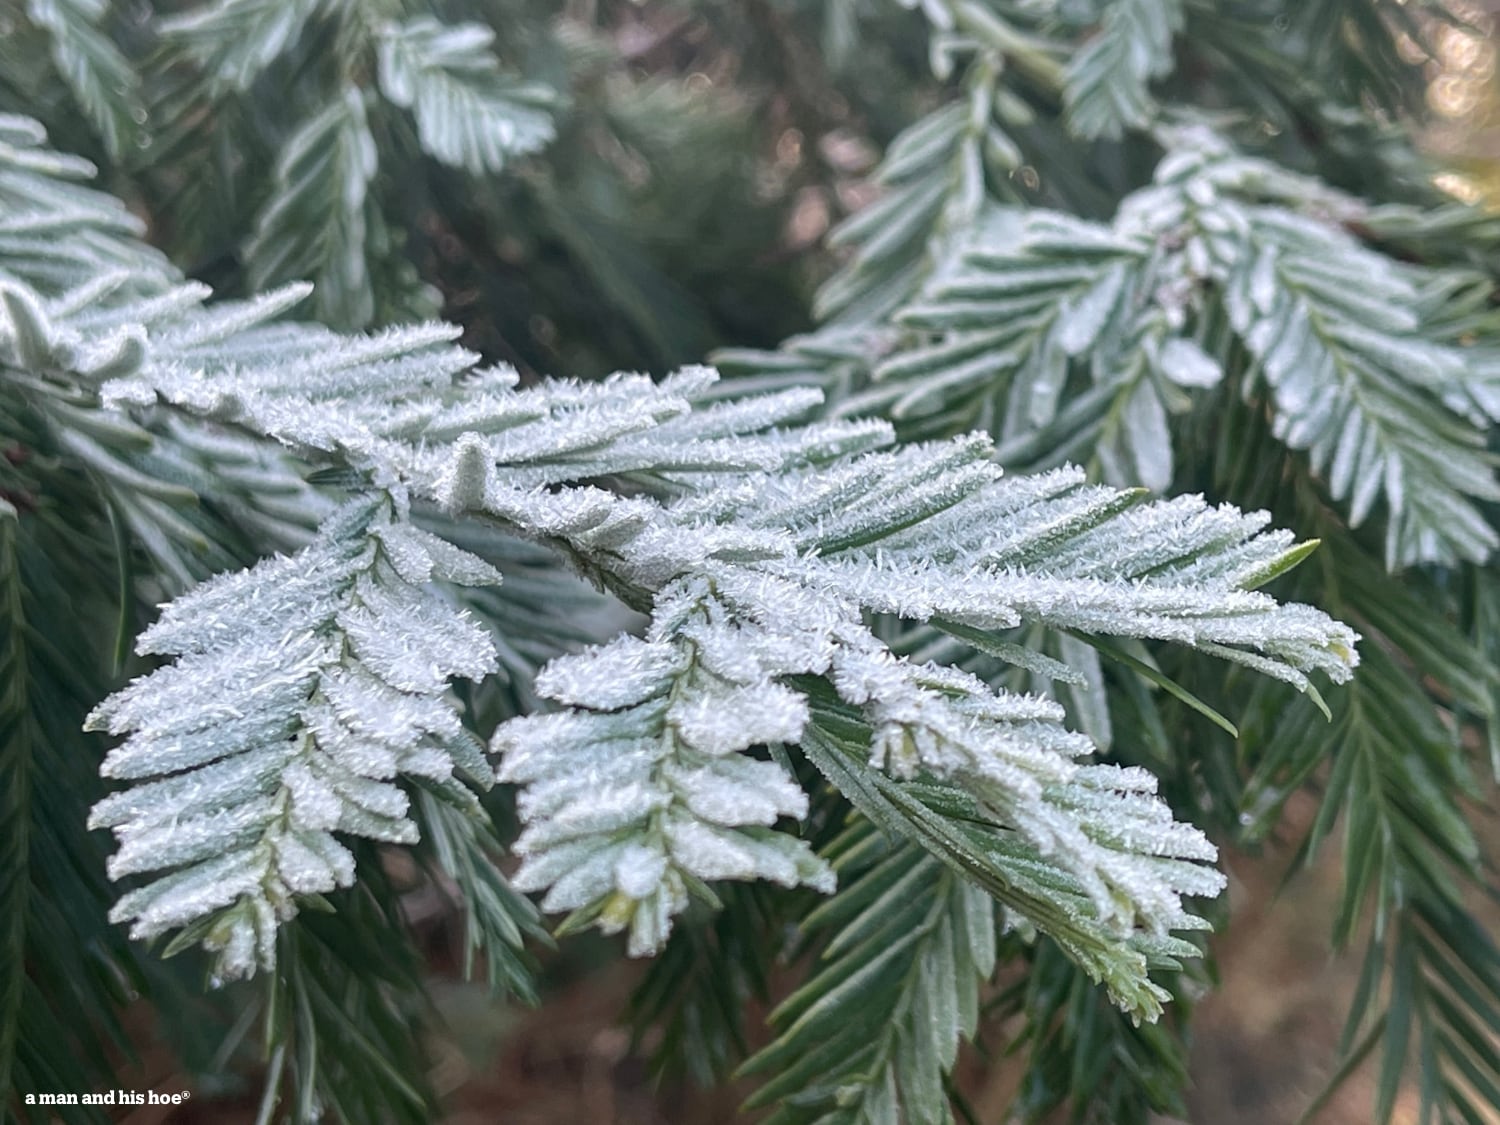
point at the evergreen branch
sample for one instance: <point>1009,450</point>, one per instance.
<point>1437,1017</point>
<point>323,175</point>
<point>952,826</point>
<point>696,992</point>
<point>1102,825</point>
<point>1395,784</point>
<point>1364,391</point>
<point>234,41</point>
<point>759,543</point>
<point>1356,43</point>
<point>642,795</point>
<point>1390,782</point>
<point>877,555</point>
<point>925,717</point>
<point>1037,291</point>
<point>57,570</point>
<point>870,580</point>
<point>274,730</point>
<point>498,921</point>
<point>102,80</point>
<point>55,233</point>
<point>190,497</point>
<point>934,180</point>
<point>897,996</point>
<point>1106,85</point>
<point>339,1014</point>
<point>1087,1057</point>
<point>469,113</point>
<point>996,28</point>
<point>873,1032</point>
<point>1382,402</point>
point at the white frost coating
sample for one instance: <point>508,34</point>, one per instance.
<point>210,787</point>
<point>449,563</point>
<point>314,804</point>
<point>591,879</point>
<point>410,637</point>
<point>363,705</point>
<point>406,552</point>
<point>736,790</point>
<point>600,813</point>
<point>303,688</point>
<point>154,846</point>
<point>608,677</point>
<point>726,720</point>
<point>644,788</point>
<point>715,853</point>
<point>249,600</point>
<point>312,864</point>
<point>1102,824</point>
<point>639,870</point>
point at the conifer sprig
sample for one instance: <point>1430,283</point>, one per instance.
<point>1058,252</point>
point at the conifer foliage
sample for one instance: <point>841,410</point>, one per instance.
<point>887,653</point>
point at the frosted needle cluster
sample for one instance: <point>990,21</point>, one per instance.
<point>304,697</point>
<point>302,690</point>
